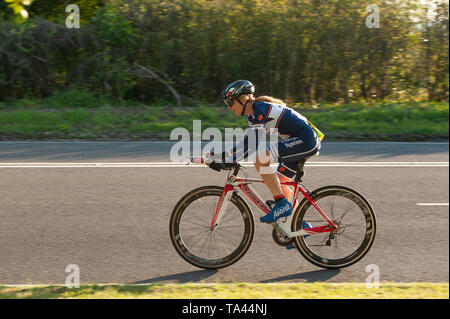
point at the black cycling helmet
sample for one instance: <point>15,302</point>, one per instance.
<point>235,90</point>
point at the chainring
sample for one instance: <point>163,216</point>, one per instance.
<point>280,240</point>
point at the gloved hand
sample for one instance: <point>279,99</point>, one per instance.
<point>209,158</point>
<point>216,166</point>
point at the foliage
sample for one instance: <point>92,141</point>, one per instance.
<point>385,121</point>
<point>298,50</point>
<point>18,7</point>
<point>235,290</point>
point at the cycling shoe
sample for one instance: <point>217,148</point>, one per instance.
<point>282,208</point>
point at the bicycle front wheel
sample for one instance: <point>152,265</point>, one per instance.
<point>203,246</point>
<point>350,212</point>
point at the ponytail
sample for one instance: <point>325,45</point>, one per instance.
<point>270,99</point>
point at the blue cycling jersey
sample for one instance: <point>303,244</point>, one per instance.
<point>267,115</point>
<point>270,115</point>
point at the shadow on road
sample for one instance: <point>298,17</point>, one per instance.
<point>184,277</point>
<point>199,275</point>
<point>310,276</point>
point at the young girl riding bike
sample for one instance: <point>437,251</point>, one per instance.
<point>265,113</point>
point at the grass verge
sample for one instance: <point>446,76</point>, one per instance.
<point>413,121</point>
<point>233,291</point>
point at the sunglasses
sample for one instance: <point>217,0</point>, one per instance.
<point>229,102</point>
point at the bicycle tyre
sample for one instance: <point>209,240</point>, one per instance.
<point>363,248</point>
<point>186,253</point>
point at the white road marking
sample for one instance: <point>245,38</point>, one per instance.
<point>184,164</point>
<point>432,204</point>
<point>187,142</point>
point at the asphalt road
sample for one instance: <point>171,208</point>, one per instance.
<point>113,221</point>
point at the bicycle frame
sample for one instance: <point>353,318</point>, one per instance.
<point>243,184</point>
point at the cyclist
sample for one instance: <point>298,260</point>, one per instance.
<point>265,112</point>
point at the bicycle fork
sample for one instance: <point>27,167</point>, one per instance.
<point>222,205</point>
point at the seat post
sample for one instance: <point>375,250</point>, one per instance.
<point>300,172</point>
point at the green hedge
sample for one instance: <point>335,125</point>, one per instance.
<point>298,50</point>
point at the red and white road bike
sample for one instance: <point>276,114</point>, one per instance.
<point>212,227</point>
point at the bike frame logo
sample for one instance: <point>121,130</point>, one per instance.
<point>190,145</point>
<point>246,189</point>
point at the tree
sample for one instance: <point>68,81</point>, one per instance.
<point>19,9</point>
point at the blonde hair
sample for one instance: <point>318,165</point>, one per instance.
<point>264,98</point>
<point>270,99</point>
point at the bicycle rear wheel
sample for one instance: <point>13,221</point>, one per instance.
<point>197,243</point>
<point>342,247</point>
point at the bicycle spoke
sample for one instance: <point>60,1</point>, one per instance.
<point>213,210</point>
<point>215,240</point>
<point>226,249</point>
<point>226,218</point>
<point>198,224</point>
<point>202,235</point>
<point>203,231</point>
<point>332,207</point>
<point>347,225</point>
<point>316,238</point>
<point>224,234</point>
<point>196,228</point>
<point>204,244</point>
<point>220,227</point>
<point>348,208</point>
<point>196,217</point>
<point>344,243</point>
<point>347,237</point>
